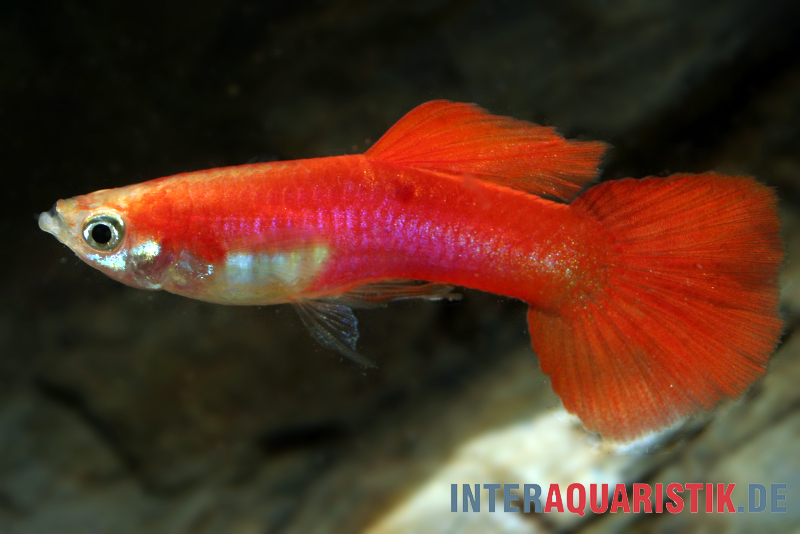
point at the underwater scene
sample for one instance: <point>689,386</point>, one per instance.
<point>426,267</point>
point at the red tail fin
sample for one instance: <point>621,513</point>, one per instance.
<point>690,311</point>
<point>463,139</point>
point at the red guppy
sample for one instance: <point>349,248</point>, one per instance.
<point>649,299</point>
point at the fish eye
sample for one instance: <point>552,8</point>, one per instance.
<point>103,232</point>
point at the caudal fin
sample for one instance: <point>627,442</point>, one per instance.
<point>689,313</point>
<point>464,140</point>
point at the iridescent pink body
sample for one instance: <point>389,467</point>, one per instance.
<point>374,221</point>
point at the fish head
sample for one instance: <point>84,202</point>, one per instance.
<point>100,229</point>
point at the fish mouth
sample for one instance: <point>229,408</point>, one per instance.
<point>51,222</point>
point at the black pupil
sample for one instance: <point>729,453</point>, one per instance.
<point>101,233</point>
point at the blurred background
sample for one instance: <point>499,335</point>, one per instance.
<point>124,411</point>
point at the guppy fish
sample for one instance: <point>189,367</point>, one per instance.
<point>649,299</point>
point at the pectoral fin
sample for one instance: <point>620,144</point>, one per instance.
<point>332,325</point>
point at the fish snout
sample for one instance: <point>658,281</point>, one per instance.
<point>51,222</point>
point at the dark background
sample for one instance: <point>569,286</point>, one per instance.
<point>126,411</point>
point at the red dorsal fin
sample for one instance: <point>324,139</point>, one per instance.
<point>465,140</point>
<point>688,314</point>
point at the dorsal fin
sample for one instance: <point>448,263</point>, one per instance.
<point>465,140</point>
